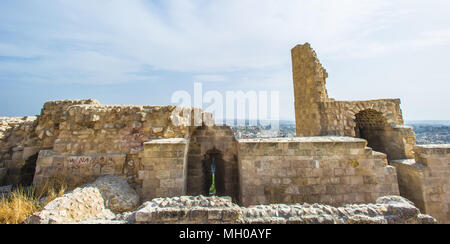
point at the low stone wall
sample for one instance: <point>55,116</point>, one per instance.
<point>328,170</point>
<point>83,128</point>
<point>426,180</point>
<point>214,210</point>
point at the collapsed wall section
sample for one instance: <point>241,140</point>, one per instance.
<point>425,180</point>
<point>328,170</point>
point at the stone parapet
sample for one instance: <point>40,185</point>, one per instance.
<point>328,170</point>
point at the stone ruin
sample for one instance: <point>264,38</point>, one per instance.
<point>346,152</point>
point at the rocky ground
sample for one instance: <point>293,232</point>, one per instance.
<point>110,200</point>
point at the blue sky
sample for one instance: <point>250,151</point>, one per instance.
<point>141,51</point>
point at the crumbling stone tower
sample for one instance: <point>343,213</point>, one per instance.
<point>309,88</point>
<point>380,122</point>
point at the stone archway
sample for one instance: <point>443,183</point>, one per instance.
<point>210,146</point>
<point>371,125</point>
<point>213,173</point>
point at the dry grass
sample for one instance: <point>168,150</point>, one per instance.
<point>24,201</point>
<point>20,204</point>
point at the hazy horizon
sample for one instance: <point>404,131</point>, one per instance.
<point>142,51</point>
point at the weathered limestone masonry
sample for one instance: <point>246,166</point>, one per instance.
<point>423,180</point>
<point>214,210</point>
<point>174,167</point>
<point>216,144</point>
<point>328,170</point>
<point>21,139</point>
<point>163,151</point>
<point>378,121</point>
<point>81,140</point>
<point>426,181</point>
<point>17,143</point>
<point>110,200</point>
<point>99,139</point>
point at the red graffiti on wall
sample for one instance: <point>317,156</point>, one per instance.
<point>78,162</point>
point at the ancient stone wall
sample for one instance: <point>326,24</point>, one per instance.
<point>309,90</point>
<point>82,139</point>
<point>113,129</point>
<point>18,142</point>
<point>319,115</point>
<point>426,180</point>
<point>21,139</point>
<point>113,134</point>
<point>328,170</point>
<point>53,114</point>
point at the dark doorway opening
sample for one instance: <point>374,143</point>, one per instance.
<point>212,163</point>
<point>28,170</point>
<point>214,173</point>
<point>371,125</point>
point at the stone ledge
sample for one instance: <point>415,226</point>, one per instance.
<point>389,100</point>
<point>314,139</point>
<point>410,163</point>
<point>213,210</point>
<point>166,141</point>
<point>441,149</point>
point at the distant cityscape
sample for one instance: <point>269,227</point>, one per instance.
<point>431,132</point>
<point>427,132</point>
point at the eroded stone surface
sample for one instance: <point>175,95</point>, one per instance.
<point>82,204</point>
<point>213,210</point>
<point>119,196</point>
<point>95,201</point>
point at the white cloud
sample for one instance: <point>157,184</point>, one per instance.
<point>194,36</point>
<point>242,42</point>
